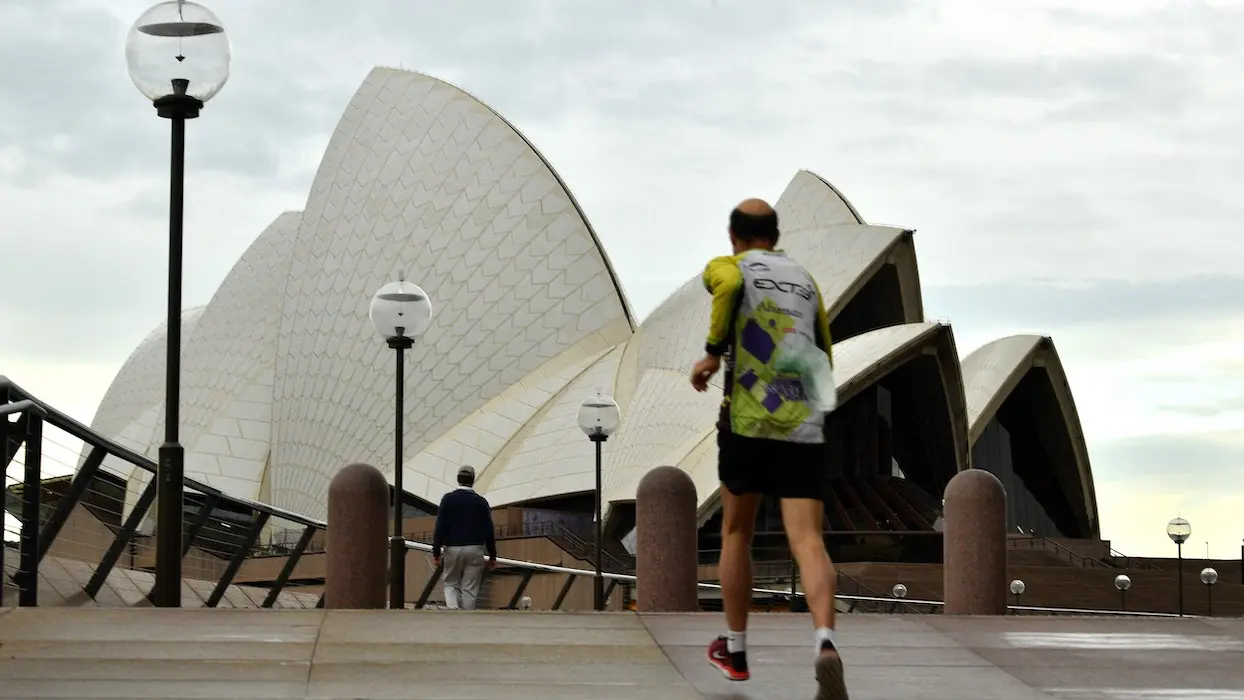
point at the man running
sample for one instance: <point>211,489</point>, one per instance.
<point>770,434</point>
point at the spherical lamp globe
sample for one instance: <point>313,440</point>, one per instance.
<point>599,416</point>
<point>400,310</point>
<point>1179,530</point>
<point>178,48</point>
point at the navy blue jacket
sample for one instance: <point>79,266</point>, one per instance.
<point>465,518</point>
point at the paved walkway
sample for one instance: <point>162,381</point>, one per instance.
<point>236,654</point>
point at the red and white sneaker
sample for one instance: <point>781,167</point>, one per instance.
<point>732,666</point>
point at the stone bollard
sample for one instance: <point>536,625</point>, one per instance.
<point>974,545</point>
<point>667,556</point>
<point>357,544</point>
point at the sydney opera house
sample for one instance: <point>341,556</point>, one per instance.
<point>285,381</point>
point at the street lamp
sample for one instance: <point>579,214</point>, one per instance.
<point>598,419</point>
<point>1017,589</point>
<point>178,56</point>
<point>400,311</point>
<point>1122,582</point>
<point>1209,577</point>
<point>899,591</point>
<point>1179,531</point>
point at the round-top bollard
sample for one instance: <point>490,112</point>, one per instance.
<point>357,545</point>
<point>666,558</point>
<point>974,547</point>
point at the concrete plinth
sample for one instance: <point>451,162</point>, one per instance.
<point>357,543</point>
<point>975,544</point>
<point>665,563</point>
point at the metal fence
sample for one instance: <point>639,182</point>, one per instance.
<point>95,513</point>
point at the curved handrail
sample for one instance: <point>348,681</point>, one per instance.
<point>90,437</point>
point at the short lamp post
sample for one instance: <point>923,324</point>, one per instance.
<point>1179,530</point>
<point>401,312</point>
<point>1122,582</point>
<point>599,417</point>
<point>1017,589</point>
<point>178,55</point>
<point>899,591</point>
<point>1209,577</point>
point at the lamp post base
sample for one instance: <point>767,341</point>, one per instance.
<point>171,475</point>
<point>397,576</point>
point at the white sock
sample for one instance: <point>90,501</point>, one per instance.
<point>825,634</point>
<point>736,642</point>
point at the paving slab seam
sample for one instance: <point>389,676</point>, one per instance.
<point>315,647</point>
<point>666,656</point>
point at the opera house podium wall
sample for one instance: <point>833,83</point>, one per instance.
<point>284,381</point>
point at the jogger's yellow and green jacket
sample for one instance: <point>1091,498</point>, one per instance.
<point>768,314</point>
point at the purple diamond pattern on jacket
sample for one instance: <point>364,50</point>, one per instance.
<point>773,400</point>
<point>748,380</point>
<point>757,341</point>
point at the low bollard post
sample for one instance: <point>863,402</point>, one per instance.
<point>974,532</point>
<point>357,544</point>
<point>666,560</point>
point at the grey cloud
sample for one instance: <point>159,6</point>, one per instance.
<point>1206,409</point>
<point>1047,306</point>
<point>1206,459</point>
<point>86,306</point>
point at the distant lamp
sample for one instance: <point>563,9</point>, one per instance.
<point>1017,589</point>
<point>524,603</point>
<point>899,590</point>
<point>400,312</point>
<point>1179,530</point>
<point>599,417</point>
<point>1122,582</point>
<point>1209,577</point>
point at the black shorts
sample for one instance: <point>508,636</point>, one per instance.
<point>771,467</point>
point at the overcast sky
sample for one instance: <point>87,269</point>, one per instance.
<point>1072,168</point>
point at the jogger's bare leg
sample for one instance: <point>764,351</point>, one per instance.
<point>802,518</point>
<point>738,525</point>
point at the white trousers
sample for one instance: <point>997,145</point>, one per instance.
<point>464,574</point>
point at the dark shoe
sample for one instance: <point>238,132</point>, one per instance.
<point>830,683</point>
<point>732,666</point>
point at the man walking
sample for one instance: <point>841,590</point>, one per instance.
<point>767,309</point>
<point>464,529</point>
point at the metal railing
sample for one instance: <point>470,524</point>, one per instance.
<point>1123,561</point>
<point>225,529</point>
<point>1115,559</point>
<point>221,532</point>
<point>529,569</point>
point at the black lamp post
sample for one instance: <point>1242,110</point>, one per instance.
<point>1017,589</point>
<point>1179,531</point>
<point>1209,577</point>
<point>598,419</point>
<point>400,311</point>
<point>1122,582</point>
<point>178,56</point>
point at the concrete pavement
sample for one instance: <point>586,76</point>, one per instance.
<point>153,653</point>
